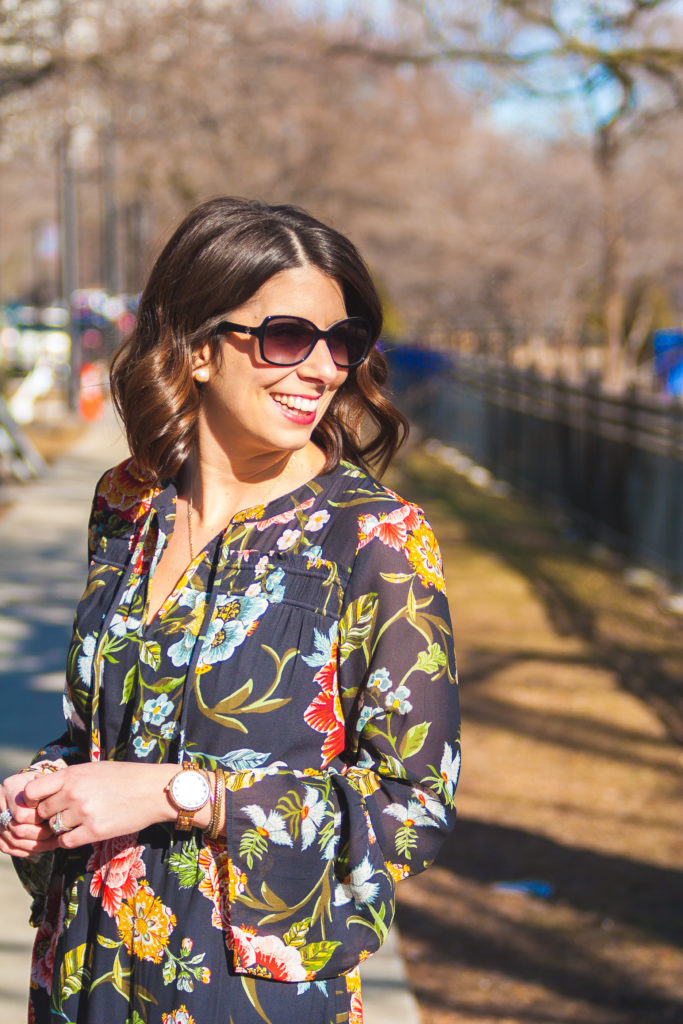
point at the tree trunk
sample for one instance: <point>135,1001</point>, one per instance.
<point>606,154</point>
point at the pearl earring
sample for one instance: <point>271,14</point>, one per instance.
<point>201,374</point>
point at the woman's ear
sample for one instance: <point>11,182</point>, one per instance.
<point>201,364</point>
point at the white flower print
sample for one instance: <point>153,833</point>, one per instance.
<point>86,659</point>
<point>412,815</point>
<point>430,803</point>
<point>288,539</point>
<point>449,769</point>
<point>317,521</point>
<point>357,886</point>
<point>271,824</point>
<point>312,814</point>
<point>121,625</point>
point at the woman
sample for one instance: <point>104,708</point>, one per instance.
<point>261,697</point>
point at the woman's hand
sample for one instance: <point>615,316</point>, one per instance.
<point>27,834</point>
<point>101,800</point>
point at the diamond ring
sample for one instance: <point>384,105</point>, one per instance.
<point>6,819</point>
<point>57,824</point>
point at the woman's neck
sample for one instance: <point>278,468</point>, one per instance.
<point>219,488</point>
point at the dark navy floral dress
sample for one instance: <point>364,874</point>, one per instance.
<point>308,651</point>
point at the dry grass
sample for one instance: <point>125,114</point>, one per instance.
<point>572,690</point>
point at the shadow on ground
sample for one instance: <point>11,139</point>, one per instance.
<point>642,648</point>
<point>528,944</point>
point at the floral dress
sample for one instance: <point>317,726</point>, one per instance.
<point>307,650</point>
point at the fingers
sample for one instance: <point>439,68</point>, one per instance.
<point>25,847</point>
<point>41,787</point>
<point>26,840</point>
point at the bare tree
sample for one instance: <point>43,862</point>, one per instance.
<point>616,66</point>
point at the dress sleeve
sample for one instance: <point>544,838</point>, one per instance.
<point>314,855</point>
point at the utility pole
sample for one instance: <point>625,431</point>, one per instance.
<point>110,261</point>
<point>69,257</point>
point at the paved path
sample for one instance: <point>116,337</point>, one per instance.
<point>42,560</point>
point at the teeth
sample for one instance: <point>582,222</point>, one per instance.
<point>298,403</point>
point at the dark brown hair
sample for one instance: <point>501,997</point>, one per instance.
<point>220,255</point>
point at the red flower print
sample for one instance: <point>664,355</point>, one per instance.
<point>117,865</point>
<point>44,947</point>
<point>120,490</point>
<point>391,529</point>
<point>270,954</point>
<point>324,713</point>
<point>215,885</point>
<point>284,517</point>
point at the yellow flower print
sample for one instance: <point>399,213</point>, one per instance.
<point>353,988</point>
<point>145,925</point>
<point>179,1016</point>
<point>398,871</point>
<point>425,558</point>
<point>255,512</point>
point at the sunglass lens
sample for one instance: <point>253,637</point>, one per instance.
<point>348,342</point>
<point>286,340</point>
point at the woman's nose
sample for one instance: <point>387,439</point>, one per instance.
<point>320,364</point>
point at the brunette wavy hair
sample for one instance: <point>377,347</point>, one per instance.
<point>218,257</point>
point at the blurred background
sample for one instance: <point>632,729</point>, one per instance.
<point>511,170</point>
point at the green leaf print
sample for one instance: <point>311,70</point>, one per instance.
<point>414,739</point>
<point>315,955</point>
<point>252,846</point>
<point>165,684</point>
<point>71,910</point>
<point>397,577</point>
<point>357,624</point>
<point>296,936</point>
<point>128,684</point>
<point>74,973</point>
<point>150,654</point>
<point>431,661</point>
<point>185,864</point>
<point>169,971</point>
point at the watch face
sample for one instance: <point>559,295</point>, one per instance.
<point>190,789</point>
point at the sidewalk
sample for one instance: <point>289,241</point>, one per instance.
<point>42,554</point>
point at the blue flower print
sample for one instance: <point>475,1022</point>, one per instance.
<point>181,651</point>
<point>143,747</point>
<point>168,730</point>
<point>365,716</point>
<point>274,586</point>
<point>314,556</point>
<point>398,700</point>
<point>381,679</point>
<point>230,627</point>
<point>157,709</point>
<point>323,647</point>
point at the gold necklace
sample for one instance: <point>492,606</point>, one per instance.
<point>189,525</point>
<point>266,500</point>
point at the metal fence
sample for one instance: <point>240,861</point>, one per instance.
<point>613,464</point>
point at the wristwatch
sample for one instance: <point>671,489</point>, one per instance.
<point>188,791</point>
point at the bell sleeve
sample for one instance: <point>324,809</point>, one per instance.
<point>313,856</point>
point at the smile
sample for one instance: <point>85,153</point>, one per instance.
<point>297,402</point>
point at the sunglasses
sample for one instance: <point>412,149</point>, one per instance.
<point>289,340</point>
